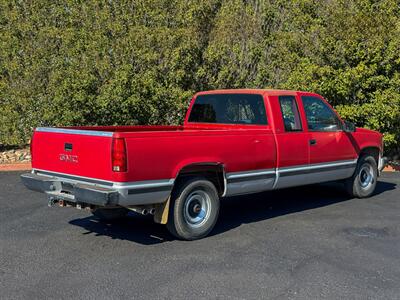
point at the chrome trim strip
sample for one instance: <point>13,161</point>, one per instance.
<point>252,178</point>
<point>74,131</point>
<point>244,174</point>
<point>225,182</point>
<point>318,166</point>
<point>106,183</point>
<point>144,184</point>
<point>317,170</point>
<point>261,172</point>
<point>283,174</point>
<point>248,182</point>
<point>298,178</point>
<point>276,178</point>
<point>146,190</point>
<point>72,177</point>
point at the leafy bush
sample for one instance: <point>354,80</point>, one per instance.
<point>138,62</point>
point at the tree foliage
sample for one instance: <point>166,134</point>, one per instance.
<point>138,62</point>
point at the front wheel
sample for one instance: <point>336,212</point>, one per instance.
<point>363,182</point>
<point>194,209</point>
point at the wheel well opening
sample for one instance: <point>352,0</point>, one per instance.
<point>212,172</point>
<point>373,151</point>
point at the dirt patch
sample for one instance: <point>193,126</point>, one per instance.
<point>15,167</point>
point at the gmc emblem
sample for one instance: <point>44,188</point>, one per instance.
<point>69,158</point>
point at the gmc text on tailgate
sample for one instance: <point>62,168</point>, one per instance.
<point>232,142</point>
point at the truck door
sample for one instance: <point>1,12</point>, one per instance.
<point>332,155</point>
<point>292,140</point>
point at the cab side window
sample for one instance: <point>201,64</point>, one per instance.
<point>290,113</point>
<point>320,117</point>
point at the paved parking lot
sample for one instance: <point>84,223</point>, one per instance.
<point>304,243</point>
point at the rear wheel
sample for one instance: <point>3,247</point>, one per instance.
<point>363,182</point>
<point>194,209</point>
<point>110,214</point>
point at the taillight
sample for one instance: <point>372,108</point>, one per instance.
<point>118,155</point>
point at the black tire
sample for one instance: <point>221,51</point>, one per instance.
<point>193,210</point>
<point>363,182</point>
<point>110,214</point>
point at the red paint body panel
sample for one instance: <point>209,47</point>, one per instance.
<point>160,152</point>
<point>237,149</point>
<point>93,154</point>
<point>292,147</point>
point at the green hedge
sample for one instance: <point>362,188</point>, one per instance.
<point>138,62</point>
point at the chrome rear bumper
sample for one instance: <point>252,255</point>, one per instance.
<point>382,163</point>
<point>55,188</point>
<point>91,191</point>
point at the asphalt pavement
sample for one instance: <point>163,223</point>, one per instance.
<point>310,242</point>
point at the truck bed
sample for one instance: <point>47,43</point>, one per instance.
<point>153,152</point>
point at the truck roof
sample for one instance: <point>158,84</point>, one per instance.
<point>248,91</point>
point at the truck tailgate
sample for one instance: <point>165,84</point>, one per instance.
<point>74,152</point>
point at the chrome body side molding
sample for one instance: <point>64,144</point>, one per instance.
<point>249,181</point>
<point>315,173</point>
<point>262,180</point>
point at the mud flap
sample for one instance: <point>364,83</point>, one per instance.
<point>161,213</point>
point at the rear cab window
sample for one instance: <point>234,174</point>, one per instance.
<point>290,113</point>
<point>229,109</point>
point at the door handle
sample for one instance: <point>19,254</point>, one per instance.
<point>313,142</point>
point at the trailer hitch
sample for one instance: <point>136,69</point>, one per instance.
<point>51,201</point>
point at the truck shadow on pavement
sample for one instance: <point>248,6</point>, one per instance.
<point>234,212</point>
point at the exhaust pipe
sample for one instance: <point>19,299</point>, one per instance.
<point>147,210</point>
<point>140,210</point>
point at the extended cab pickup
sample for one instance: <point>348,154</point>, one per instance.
<point>232,142</point>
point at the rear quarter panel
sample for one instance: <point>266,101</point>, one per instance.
<point>163,155</point>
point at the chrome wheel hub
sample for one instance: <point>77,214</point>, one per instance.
<point>197,208</point>
<point>366,176</point>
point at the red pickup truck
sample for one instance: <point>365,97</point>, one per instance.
<point>232,142</point>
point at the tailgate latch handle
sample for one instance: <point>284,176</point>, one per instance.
<point>68,147</point>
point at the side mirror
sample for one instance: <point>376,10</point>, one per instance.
<point>349,127</point>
